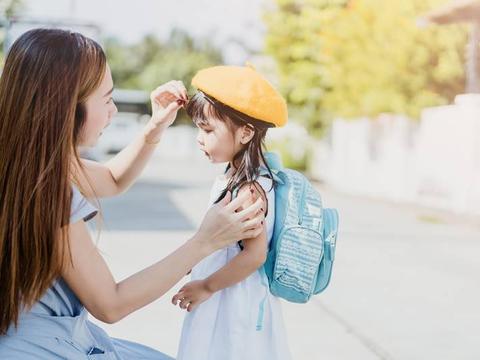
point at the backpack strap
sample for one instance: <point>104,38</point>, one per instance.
<point>273,161</point>
<point>275,164</point>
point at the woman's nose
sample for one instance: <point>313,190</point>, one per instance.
<point>113,110</point>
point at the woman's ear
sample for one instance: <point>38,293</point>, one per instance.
<point>247,134</point>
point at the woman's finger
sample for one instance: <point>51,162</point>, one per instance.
<point>172,107</point>
<point>182,89</point>
<point>254,223</point>
<point>252,233</point>
<point>167,91</point>
<point>251,210</point>
<point>238,202</point>
<point>226,199</point>
<point>173,90</point>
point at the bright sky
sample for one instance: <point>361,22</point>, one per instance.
<point>221,20</point>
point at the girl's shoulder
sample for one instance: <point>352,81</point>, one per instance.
<point>266,183</point>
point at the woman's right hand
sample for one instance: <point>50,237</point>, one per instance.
<point>166,100</point>
<point>225,222</point>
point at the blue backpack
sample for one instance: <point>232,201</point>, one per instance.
<point>302,250</point>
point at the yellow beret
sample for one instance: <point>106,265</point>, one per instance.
<point>243,89</point>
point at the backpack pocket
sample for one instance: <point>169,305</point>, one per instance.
<point>297,262</point>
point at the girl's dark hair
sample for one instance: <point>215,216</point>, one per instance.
<point>246,162</point>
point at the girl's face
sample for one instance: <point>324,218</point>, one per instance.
<point>99,111</point>
<point>218,141</point>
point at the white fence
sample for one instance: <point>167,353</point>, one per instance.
<point>434,162</point>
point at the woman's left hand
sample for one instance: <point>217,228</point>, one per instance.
<point>192,294</point>
<point>166,100</point>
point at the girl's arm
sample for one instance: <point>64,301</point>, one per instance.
<point>89,277</point>
<point>119,173</point>
<point>239,268</point>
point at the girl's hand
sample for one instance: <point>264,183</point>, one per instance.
<point>166,100</point>
<point>192,294</point>
<point>226,222</point>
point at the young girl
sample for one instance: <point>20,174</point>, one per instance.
<point>231,313</point>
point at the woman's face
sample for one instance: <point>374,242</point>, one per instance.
<point>99,111</point>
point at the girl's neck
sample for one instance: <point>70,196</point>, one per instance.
<point>230,171</point>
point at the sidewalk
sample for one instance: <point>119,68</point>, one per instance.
<point>405,282</point>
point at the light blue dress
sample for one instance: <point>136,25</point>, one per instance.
<point>57,326</point>
<point>243,321</point>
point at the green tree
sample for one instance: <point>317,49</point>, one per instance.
<point>151,62</point>
<point>363,57</point>
<point>8,8</point>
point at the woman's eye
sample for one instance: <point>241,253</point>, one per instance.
<point>110,101</point>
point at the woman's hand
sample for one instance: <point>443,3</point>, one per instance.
<point>225,223</point>
<point>166,100</point>
<point>192,294</point>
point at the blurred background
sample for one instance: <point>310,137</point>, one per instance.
<point>384,105</point>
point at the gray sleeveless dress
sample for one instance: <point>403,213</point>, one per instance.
<point>57,326</point>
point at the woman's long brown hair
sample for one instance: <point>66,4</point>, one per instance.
<point>47,77</point>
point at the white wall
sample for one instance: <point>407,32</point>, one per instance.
<point>434,162</point>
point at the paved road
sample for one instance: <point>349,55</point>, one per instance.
<point>405,284</point>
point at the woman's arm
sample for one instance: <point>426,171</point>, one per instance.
<point>239,268</point>
<point>89,277</point>
<point>119,173</point>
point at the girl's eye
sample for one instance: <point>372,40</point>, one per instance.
<point>205,130</point>
<point>110,101</point>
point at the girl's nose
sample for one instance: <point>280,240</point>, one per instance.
<point>199,139</point>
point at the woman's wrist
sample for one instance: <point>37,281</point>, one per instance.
<point>202,245</point>
<point>152,133</point>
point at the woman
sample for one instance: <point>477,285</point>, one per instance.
<point>55,95</point>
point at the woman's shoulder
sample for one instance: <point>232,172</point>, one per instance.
<point>81,208</point>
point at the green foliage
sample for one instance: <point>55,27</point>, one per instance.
<point>363,57</point>
<point>290,159</point>
<point>151,62</point>
<point>8,8</point>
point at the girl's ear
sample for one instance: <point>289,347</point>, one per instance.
<point>247,133</point>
